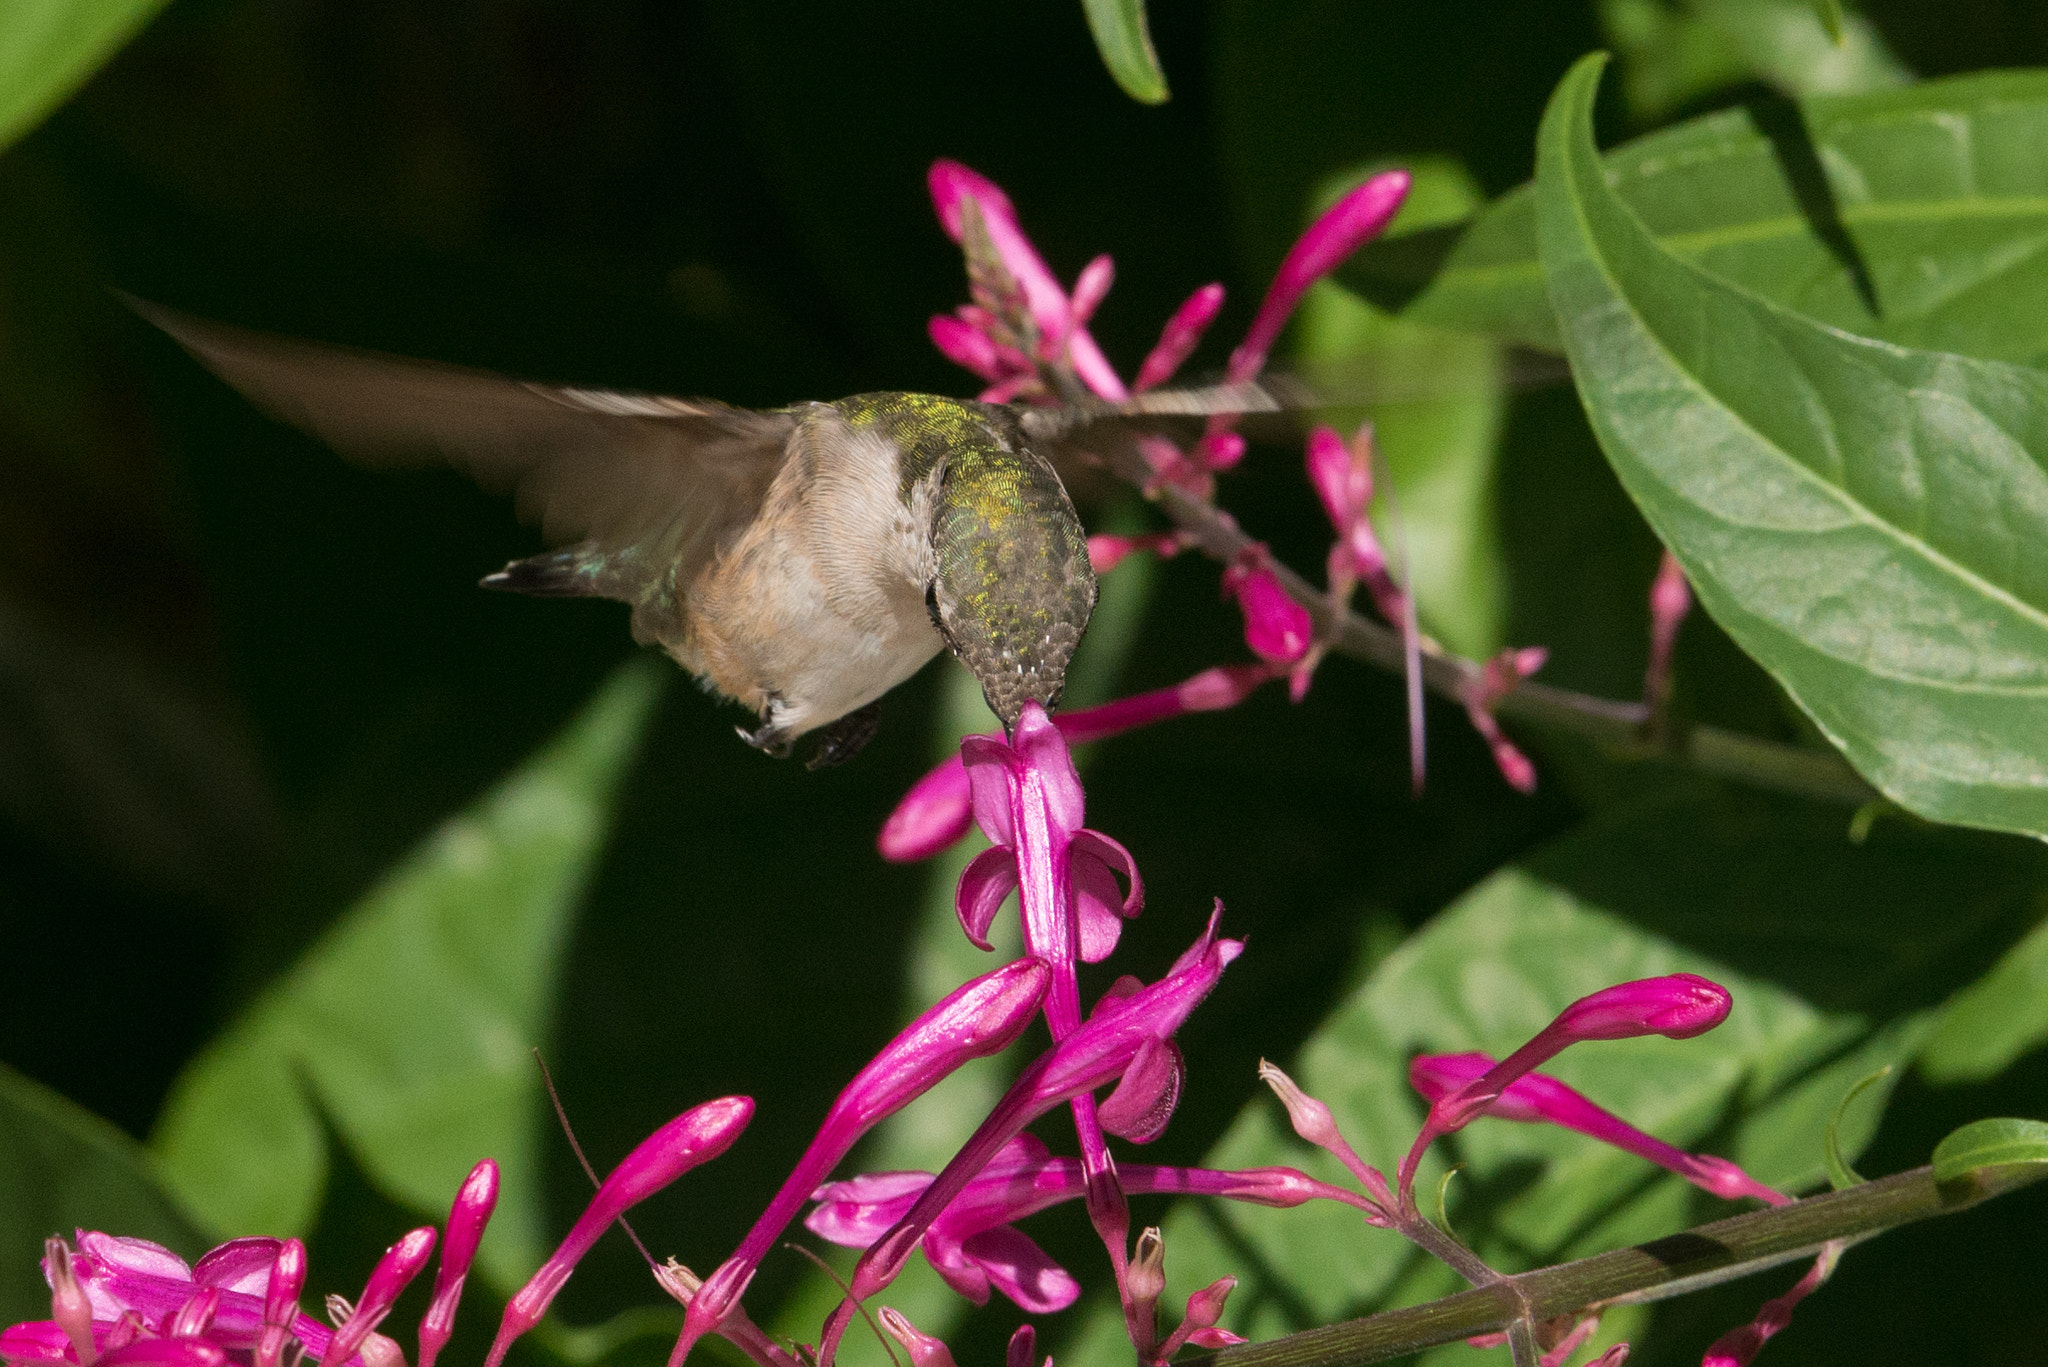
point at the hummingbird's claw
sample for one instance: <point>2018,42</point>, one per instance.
<point>769,740</point>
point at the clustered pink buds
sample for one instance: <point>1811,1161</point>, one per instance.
<point>1498,678</point>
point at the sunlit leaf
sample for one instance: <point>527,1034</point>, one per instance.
<point>1440,445</point>
<point>49,47</point>
<point>1126,47</point>
<point>408,1027</point>
<point>1869,522</point>
<point>1990,1144</point>
<point>63,1169</point>
<point>1915,216</point>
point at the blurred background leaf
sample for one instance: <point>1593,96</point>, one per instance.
<point>49,47</point>
<point>1672,54</point>
<point>1126,46</point>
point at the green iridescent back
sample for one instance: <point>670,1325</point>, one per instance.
<point>1014,588</point>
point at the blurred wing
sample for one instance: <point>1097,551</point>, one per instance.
<point>647,486</point>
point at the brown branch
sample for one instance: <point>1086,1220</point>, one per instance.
<point>1621,729</point>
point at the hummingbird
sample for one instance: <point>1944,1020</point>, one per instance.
<point>801,561</point>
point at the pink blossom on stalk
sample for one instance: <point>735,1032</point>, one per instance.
<point>1178,339</point>
<point>1670,601</point>
<point>474,1202</point>
<point>1497,678</point>
<point>281,1302</point>
<point>1028,801</point>
<point>924,1350</point>
<point>979,1018</point>
<point>394,1272</point>
<point>1312,1120</point>
<point>1051,310</point>
<point>1198,1323</point>
<point>70,1307</point>
<point>1342,229</point>
<point>1106,550</point>
<point>1541,1099</point>
<point>1738,1346</point>
<point>1678,1005</point>
<point>1277,628</point>
<point>696,1136</point>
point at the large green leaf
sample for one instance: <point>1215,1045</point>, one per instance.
<point>49,47</point>
<point>408,1026</point>
<point>1917,216</point>
<point>1438,426</point>
<point>1816,981</point>
<point>1673,54</point>
<point>1994,1020</point>
<point>1869,522</point>
<point>63,1168</point>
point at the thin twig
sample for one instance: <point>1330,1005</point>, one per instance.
<point>569,1133</point>
<point>1622,729</point>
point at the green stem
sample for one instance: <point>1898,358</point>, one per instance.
<point>1622,729</point>
<point>1671,1266</point>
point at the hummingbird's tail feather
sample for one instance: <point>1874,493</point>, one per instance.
<point>577,572</point>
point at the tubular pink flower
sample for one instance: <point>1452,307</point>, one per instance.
<point>1497,679</point>
<point>195,1316</point>
<point>1678,1005</point>
<point>1095,1053</point>
<point>1198,1322</point>
<point>924,1350</point>
<point>1670,601</point>
<point>166,1352</point>
<point>939,807</point>
<point>950,184</point>
<point>1106,550</point>
<point>1345,227</point>
<point>394,1272</point>
<point>474,1202</point>
<point>281,1302</point>
<point>70,1307</point>
<point>1179,338</point>
<point>696,1136</point>
<point>1541,1099</point>
<point>979,1018</point>
<point>1219,449</point>
<point>1277,628</point>
<point>1028,800</point>
<point>971,349</point>
<point>1736,1347</point>
<point>1090,287</point>
<point>1312,1120</point>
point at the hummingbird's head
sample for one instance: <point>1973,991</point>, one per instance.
<point>1013,588</point>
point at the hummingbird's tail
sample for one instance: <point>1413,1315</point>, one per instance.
<point>573,573</point>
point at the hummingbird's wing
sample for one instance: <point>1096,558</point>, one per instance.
<point>645,487</point>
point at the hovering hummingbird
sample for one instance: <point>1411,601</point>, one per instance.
<point>802,561</point>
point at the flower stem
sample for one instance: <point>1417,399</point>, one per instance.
<point>1679,1263</point>
<point>1622,729</point>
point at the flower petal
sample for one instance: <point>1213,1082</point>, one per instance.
<point>1023,1271</point>
<point>1114,857</point>
<point>1042,747</point>
<point>239,1265</point>
<point>1097,900</point>
<point>1145,1096</point>
<point>985,883</point>
<point>991,768</point>
<point>35,1342</point>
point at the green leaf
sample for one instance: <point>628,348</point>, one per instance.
<point>1990,1144</point>
<point>1438,431</point>
<point>1126,47</point>
<point>1915,216</point>
<point>62,1169</point>
<point>1673,55</point>
<point>1840,1174</point>
<point>408,1027</point>
<point>1994,1020</point>
<point>49,47</point>
<point>1870,523</point>
<point>1493,969</point>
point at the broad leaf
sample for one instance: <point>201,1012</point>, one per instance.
<point>1915,216</point>
<point>1869,522</point>
<point>1438,428</point>
<point>1990,1144</point>
<point>409,1026</point>
<point>1674,54</point>
<point>49,47</point>
<point>1495,967</point>
<point>1994,1020</point>
<point>1126,47</point>
<point>64,1169</point>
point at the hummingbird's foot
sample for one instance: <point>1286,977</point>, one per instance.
<point>771,739</point>
<point>841,740</point>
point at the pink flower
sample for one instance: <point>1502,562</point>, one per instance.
<point>1670,601</point>
<point>1497,678</point>
<point>1277,628</point>
<point>1178,339</point>
<point>1538,1098</point>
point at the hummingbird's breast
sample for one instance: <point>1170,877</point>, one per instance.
<point>818,608</point>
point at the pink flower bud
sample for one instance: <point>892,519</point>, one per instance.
<point>1679,1005</point>
<point>1277,628</point>
<point>394,1272</point>
<point>934,814</point>
<point>967,347</point>
<point>1023,1347</point>
<point>474,1202</point>
<point>165,1352</point>
<point>1343,229</point>
<point>70,1307</point>
<point>1089,288</point>
<point>195,1316</point>
<point>924,1350</point>
<point>1220,450</point>
<point>1178,339</point>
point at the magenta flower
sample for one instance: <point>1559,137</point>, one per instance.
<point>1738,1346</point>
<point>1497,678</point>
<point>979,1018</point>
<point>696,1136</point>
<point>1028,801</point>
<point>1106,550</point>
<point>1679,1006</point>
<point>1179,338</point>
<point>1670,601</point>
<point>1341,474</point>
<point>474,1202</point>
<point>939,807</point>
<point>973,1246</point>
<point>1277,628</point>
<point>924,1350</point>
<point>1541,1099</point>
